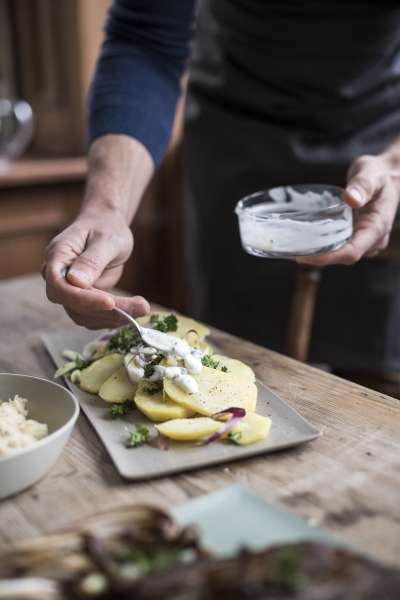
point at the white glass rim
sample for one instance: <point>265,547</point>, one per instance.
<point>261,195</point>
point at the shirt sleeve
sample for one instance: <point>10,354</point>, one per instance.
<point>137,79</point>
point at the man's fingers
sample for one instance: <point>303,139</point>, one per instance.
<point>88,267</point>
<point>372,231</point>
<point>137,306</point>
<point>366,178</point>
<point>381,245</point>
<point>109,278</point>
<point>60,291</point>
<point>364,239</point>
<point>345,256</point>
<point>97,320</point>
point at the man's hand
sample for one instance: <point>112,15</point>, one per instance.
<point>373,187</point>
<point>91,252</point>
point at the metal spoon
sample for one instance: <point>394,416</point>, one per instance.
<point>132,321</point>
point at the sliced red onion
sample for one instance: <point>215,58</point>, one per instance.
<point>162,442</point>
<point>236,414</point>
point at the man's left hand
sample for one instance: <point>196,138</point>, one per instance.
<point>373,189</point>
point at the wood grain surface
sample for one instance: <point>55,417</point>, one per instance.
<point>347,481</point>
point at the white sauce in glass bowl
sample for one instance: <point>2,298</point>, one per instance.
<point>267,227</point>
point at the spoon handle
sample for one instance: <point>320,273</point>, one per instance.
<point>129,318</point>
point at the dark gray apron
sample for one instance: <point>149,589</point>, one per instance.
<point>283,93</point>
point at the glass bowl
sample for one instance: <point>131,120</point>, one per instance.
<point>298,220</point>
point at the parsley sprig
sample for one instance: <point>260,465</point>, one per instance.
<point>123,340</point>
<point>120,410</point>
<point>234,437</point>
<point>169,323</point>
<point>149,368</point>
<point>209,361</point>
<point>137,436</point>
<point>153,388</point>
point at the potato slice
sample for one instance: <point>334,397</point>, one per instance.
<point>217,391</point>
<point>118,387</point>
<point>100,351</point>
<point>236,367</point>
<point>253,428</point>
<point>93,377</point>
<point>195,341</point>
<point>186,430</point>
<point>185,324</point>
<point>158,409</point>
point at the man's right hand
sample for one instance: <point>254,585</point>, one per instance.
<point>90,253</point>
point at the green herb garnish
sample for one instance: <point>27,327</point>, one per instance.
<point>234,437</point>
<point>153,388</point>
<point>137,561</point>
<point>209,361</point>
<point>137,436</point>
<point>66,368</point>
<point>76,362</point>
<point>149,368</point>
<point>288,570</point>
<point>169,323</point>
<point>123,340</point>
<point>120,410</point>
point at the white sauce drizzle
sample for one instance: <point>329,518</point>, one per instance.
<point>171,347</point>
<point>179,375</point>
<point>135,372</point>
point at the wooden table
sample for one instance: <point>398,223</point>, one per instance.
<point>348,480</point>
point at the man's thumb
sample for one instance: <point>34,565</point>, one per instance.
<point>88,267</point>
<point>362,184</point>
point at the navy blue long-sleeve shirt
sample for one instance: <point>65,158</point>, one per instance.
<point>137,80</point>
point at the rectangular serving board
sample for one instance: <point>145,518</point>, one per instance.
<point>288,429</point>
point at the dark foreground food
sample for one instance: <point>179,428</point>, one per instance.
<point>141,554</point>
<point>300,571</point>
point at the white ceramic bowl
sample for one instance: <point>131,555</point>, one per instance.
<point>48,403</point>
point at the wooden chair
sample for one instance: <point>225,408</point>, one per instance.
<point>305,296</point>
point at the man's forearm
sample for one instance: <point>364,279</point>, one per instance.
<point>119,170</point>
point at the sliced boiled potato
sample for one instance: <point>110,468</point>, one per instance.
<point>252,428</point>
<point>217,391</point>
<point>170,361</point>
<point>93,377</point>
<point>185,324</point>
<point>100,350</point>
<point>118,387</point>
<point>236,367</point>
<point>157,408</point>
<point>195,341</point>
<point>186,430</point>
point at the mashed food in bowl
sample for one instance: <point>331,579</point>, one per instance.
<point>16,431</point>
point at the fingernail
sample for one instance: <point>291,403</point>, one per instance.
<point>81,275</point>
<point>357,195</point>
